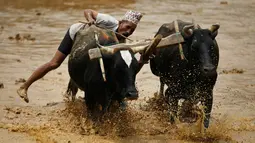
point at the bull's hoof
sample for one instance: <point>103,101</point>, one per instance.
<point>206,123</point>
<point>123,105</point>
<point>172,118</point>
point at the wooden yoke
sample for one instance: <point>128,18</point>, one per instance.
<point>152,47</point>
<point>150,50</point>
<point>180,45</point>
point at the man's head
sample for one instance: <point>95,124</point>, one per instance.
<point>129,23</point>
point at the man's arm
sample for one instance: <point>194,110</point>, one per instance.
<point>90,15</point>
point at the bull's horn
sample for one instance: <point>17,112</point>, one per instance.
<point>187,30</point>
<point>214,27</point>
<point>195,25</point>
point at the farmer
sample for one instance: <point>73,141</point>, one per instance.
<point>124,27</point>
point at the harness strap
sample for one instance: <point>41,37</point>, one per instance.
<point>176,26</point>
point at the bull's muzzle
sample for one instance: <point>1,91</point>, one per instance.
<point>131,94</point>
<point>209,70</point>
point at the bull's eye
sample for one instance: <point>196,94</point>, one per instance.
<point>194,41</point>
<point>193,44</point>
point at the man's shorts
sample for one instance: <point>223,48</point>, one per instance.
<point>66,44</point>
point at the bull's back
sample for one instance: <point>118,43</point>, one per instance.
<point>79,58</point>
<point>79,63</point>
<point>167,57</point>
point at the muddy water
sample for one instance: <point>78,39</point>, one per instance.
<point>233,115</point>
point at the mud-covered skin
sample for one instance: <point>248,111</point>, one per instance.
<point>193,78</point>
<point>86,73</point>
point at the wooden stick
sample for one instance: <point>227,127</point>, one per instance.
<point>169,40</point>
<point>180,45</point>
<point>152,47</point>
<point>149,51</point>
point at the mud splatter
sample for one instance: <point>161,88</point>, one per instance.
<point>41,134</point>
<point>71,118</point>
<point>233,71</point>
<point>224,2</point>
<point>19,37</point>
<point>1,85</point>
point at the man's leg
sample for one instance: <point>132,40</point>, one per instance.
<point>55,62</point>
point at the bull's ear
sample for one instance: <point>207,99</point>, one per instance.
<point>214,30</point>
<point>187,31</point>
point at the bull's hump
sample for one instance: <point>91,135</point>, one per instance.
<point>126,56</point>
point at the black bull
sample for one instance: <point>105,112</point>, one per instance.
<point>120,70</point>
<point>194,78</point>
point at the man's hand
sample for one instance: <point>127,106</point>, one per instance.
<point>90,16</point>
<point>91,21</point>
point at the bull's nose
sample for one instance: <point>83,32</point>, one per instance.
<point>209,70</point>
<point>132,95</point>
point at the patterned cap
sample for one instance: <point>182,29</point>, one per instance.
<point>133,16</point>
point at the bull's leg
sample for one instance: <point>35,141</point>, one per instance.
<point>173,109</point>
<point>105,106</point>
<point>161,90</point>
<point>72,90</point>
<point>106,102</point>
<point>123,105</point>
<point>120,100</point>
<point>173,104</point>
<point>90,103</point>
<point>207,102</point>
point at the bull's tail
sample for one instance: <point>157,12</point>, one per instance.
<point>72,90</point>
